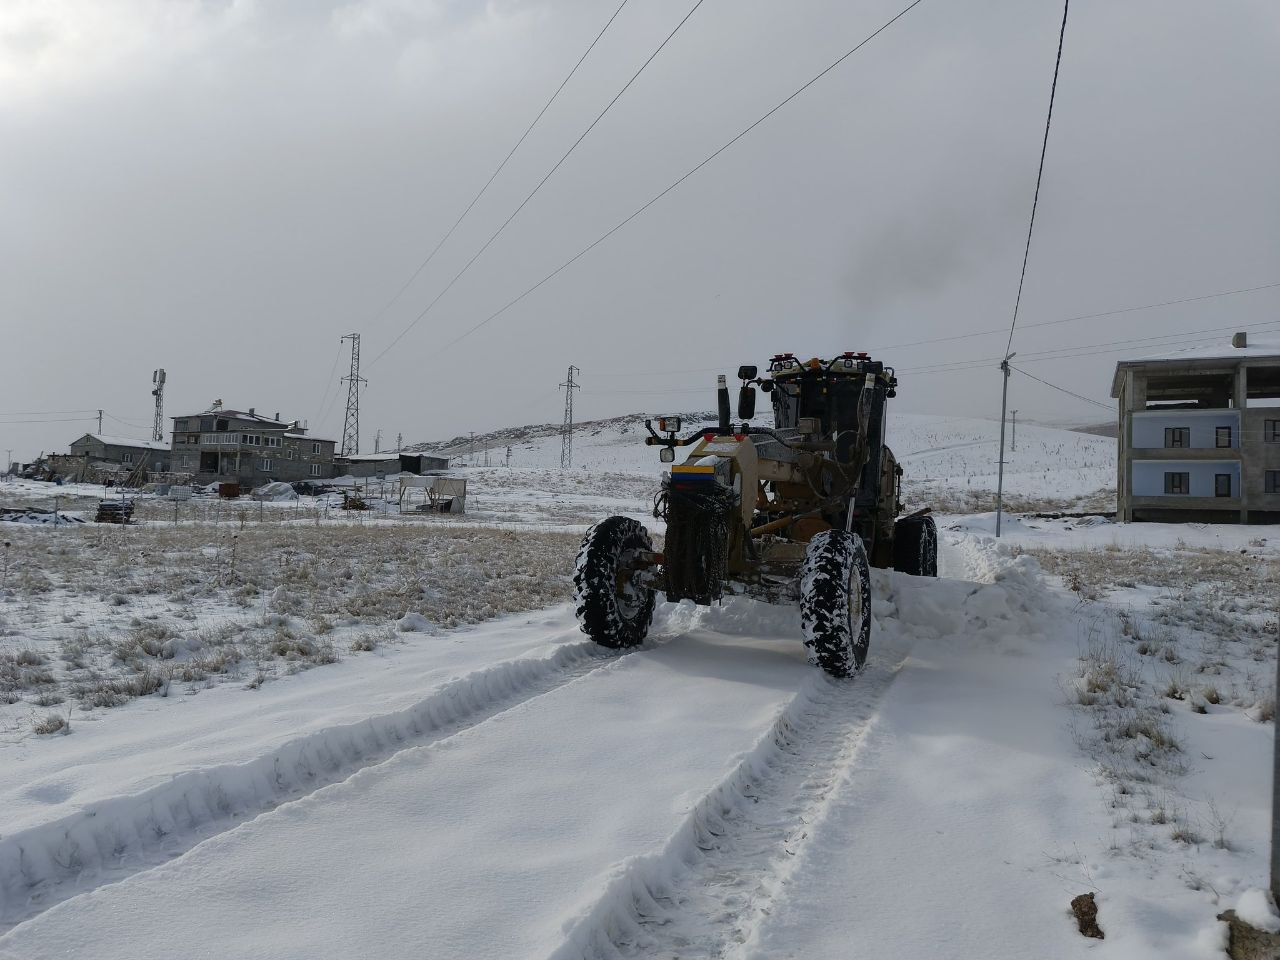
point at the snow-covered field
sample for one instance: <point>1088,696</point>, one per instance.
<point>949,461</point>
<point>401,746</point>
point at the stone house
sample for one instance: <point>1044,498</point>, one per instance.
<point>245,447</point>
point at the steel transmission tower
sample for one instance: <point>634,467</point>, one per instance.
<point>566,431</point>
<point>351,425</point>
<point>157,426</point>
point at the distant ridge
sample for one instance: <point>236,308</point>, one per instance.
<point>1108,429</point>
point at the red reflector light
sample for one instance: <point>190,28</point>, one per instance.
<point>708,437</point>
<point>739,437</point>
<point>863,355</point>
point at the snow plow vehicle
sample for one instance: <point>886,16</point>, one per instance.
<point>796,513</point>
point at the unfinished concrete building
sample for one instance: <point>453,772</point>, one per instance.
<point>1199,435</point>
<point>244,447</point>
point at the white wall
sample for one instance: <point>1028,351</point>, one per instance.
<point>1148,427</point>
<point>1148,476</point>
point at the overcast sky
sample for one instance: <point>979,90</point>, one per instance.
<point>223,189</point>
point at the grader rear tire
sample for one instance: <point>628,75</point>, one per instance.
<point>835,602</point>
<point>611,610</point>
<point>915,547</point>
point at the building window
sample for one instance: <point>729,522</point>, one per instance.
<point>267,465</point>
<point>1222,436</point>
<point>126,458</point>
<point>315,469</point>
<point>1222,484</point>
<point>251,439</point>
<point>1177,483</point>
<point>270,441</point>
<point>1272,432</point>
<point>315,447</point>
<point>292,453</point>
<point>1271,481</point>
<point>1177,437</point>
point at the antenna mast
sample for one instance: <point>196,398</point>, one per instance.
<point>351,425</point>
<point>157,426</point>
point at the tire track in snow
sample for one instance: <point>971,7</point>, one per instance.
<point>705,894</point>
<point>117,838</point>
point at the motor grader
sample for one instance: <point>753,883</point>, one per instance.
<point>796,513</point>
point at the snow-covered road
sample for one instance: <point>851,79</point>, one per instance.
<point>709,794</point>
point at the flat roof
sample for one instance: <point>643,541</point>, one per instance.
<point>1265,348</point>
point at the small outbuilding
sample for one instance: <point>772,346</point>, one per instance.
<point>125,452</point>
<point>385,464</point>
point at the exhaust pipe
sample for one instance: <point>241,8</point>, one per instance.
<point>722,398</point>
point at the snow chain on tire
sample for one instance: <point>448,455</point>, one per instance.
<point>835,601</point>
<point>613,612</point>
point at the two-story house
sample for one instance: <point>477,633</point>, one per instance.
<point>1199,435</point>
<point>221,445</point>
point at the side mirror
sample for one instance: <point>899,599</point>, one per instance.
<point>667,454</point>
<point>746,373</point>
<point>747,402</point>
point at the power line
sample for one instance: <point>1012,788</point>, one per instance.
<point>693,170</point>
<point>565,156</point>
<point>1096,403</point>
<point>329,381</point>
<point>1035,202</point>
<point>47,413</point>
<point>493,176</point>
<point>1179,340</point>
<point>127,423</point>
<point>1083,316</point>
<point>1022,275</point>
<point>10,423</point>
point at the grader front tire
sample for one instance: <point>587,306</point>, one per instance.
<point>835,602</point>
<point>611,610</point>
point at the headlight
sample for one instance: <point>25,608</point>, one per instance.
<point>669,424</point>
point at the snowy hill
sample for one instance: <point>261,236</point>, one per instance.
<point>952,459</point>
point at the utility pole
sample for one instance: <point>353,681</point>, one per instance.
<point>399,441</point>
<point>1004,402</point>
<point>157,425</point>
<point>508,456</point>
<point>377,441</point>
<point>1013,441</point>
<point>472,458</point>
<point>351,425</point>
<point>566,430</point>
<point>99,421</point>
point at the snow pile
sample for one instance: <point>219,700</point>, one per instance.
<point>414,623</point>
<point>275,492</point>
<point>1256,908</point>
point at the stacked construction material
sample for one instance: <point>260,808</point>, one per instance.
<point>115,511</point>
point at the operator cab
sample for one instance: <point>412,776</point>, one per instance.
<point>828,391</point>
